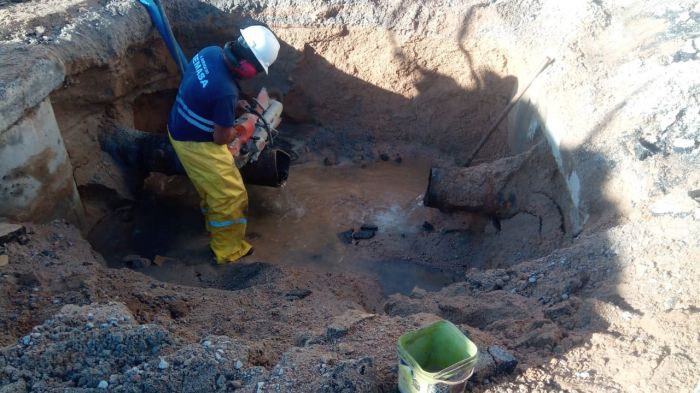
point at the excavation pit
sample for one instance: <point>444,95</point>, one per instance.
<point>564,250</point>
<point>299,225</point>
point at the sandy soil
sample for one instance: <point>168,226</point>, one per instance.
<point>609,303</point>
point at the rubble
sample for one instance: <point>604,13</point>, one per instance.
<point>574,258</point>
<point>10,232</point>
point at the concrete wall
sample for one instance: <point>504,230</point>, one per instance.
<point>36,176</point>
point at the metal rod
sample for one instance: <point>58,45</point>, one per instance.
<point>547,62</point>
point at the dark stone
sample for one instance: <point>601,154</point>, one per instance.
<point>363,234</point>
<point>346,236</point>
<point>297,294</point>
<point>10,232</point>
<point>505,362</point>
<point>485,367</point>
<point>336,331</point>
<point>136,261</point>
<point>646,149</point>
<point>49,253</point>
<point>384,157</point>
<point>369,227</point>
<point>178,309</point>
<point>428,227</point>
<point>695,194</point>
<point>354,375</point>
<point>303,339</point>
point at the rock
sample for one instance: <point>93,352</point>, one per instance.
<point>238,365</point>
<point>487,281</point>
<point>160,260</point>
<point>346,236</point>
<point>163,364</point>
<point>677,203</point>
<point>16,387</point>
<point>363,235</point>
<point>505,363</point>
<point>26,340</point>
<point>532,279</point>
<point>178,309</point>
<point>384,157</point>
<point>10,232</point>
<point>297,294</point>
<point>103,384</point>
<point>493,361</point>
<point>646,149</point>
<point>485,367</point>
<point>260,387</point>
<point>356,375</point>
<point>345,348</point>
<point>302,339</point>
<point>336,331</point>
<point>221,382</point>
<point>418,293</point>
<point>369,227</point>
<point>343,323</point>
<point>4,260</point>
<point>695,194</point>
<point>683,145</point>
<point>428,227</point>
<point>136,261</point>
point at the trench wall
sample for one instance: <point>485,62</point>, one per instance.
<point>401,71</point>
<point>37,176</point>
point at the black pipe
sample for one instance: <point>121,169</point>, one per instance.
<point>147,152</point>
<point>270,169</point>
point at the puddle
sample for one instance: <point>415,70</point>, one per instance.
<point>294,225</point>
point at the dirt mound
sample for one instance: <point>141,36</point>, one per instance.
<point>566,269</point>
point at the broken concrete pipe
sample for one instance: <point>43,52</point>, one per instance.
<point>499,188</point>
<point>149,152</point>
<point>474,189</point>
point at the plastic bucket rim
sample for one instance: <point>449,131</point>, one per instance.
<point>443,376</point>
<point>465,364</point>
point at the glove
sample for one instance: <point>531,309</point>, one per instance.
<point>245,126</point>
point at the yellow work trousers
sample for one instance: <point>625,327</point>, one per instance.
<point>211,169</point>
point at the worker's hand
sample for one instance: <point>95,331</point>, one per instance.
<point>245,126</point>
<point>242,106</point>
<point>235,147</point>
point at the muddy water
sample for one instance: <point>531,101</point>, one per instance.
<point>297,224</point>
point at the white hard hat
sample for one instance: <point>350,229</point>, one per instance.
<point>262,43</point>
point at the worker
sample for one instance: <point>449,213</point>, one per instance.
<point>202,124</point>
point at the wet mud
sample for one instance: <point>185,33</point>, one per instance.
<point>296,225</point>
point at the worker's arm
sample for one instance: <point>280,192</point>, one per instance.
<point>224,135</point>
<point>224,112</point>
<point>239,133</point>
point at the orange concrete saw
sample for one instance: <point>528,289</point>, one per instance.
<point>263,116</point>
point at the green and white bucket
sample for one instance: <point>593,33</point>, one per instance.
<point>435,359</point>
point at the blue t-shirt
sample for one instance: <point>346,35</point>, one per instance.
<point>207,95</point>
